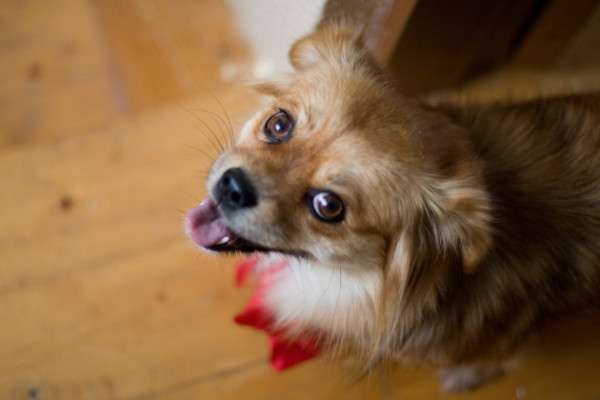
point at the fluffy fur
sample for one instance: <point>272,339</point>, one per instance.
<point>465,228</point>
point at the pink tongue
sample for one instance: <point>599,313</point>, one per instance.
<point>205,225</point>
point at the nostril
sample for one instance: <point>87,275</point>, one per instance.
<point>235,197</point>
<point>235,190</point>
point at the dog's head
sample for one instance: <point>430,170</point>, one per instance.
<point>341,170</point>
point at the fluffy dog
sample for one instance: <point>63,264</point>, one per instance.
<point>438,234</point>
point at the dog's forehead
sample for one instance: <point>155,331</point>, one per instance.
<point>353,160</point>
<point>340,98</point>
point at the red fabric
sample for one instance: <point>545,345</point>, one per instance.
<point>244,269</point>
<point>255,314</point>
<point>284,353</point>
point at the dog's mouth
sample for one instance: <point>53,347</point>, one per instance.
<point>208,227</point>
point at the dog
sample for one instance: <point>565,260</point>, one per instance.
<point>440,234</point>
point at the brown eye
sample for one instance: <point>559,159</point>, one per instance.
<point>279,127</point>
<point>326,206</point>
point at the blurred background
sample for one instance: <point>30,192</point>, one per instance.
<point>111,113</point>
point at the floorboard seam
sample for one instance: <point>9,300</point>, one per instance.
<point>216,375</point>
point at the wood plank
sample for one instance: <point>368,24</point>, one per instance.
<point>89,288</point>
<point>164,53</point>
<point>138,324</point>
<point>319,381</point>
<point>513,85</point>
<point>445,43</point>
<point>107,208</point>
<point>553,31</point>
<point>581,53</point>
<point>392,26</point>
<point>71,72</point>
<point>55,80</point>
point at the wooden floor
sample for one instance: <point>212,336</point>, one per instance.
<point>106,111</point>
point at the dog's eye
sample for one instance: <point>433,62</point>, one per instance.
<point>326,206</point>
<point>279,127</point>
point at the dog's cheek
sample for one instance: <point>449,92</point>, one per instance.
<point>323,250</point>
<point>323,247</point>
<point>348,250</point>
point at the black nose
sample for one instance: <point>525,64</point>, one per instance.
<point>234,190</point>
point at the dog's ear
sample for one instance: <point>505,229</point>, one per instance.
<point>334,43</point>
<point>449,233</point>
<point>453,195</point>
<point>464,222</point>
<point>433,249</point>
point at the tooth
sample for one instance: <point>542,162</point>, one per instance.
<point>224,240</point>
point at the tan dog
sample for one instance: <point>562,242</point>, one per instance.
<point>439,235</point>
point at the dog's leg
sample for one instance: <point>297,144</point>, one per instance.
<point>466,377</point>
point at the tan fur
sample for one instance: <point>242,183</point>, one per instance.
<point>465,228</point>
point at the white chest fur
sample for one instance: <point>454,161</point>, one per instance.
<point>329,299</point>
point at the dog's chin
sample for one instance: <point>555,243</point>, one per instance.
<point>209,229</point>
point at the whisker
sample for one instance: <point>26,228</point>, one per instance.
<point>221,124</point>
<point>225,124</point>
<point>212,143</point>
<point>224,109</point>
<point>231,130</point>
<point>216,136</point>
<point>202,173</point>
<point>208,156</point>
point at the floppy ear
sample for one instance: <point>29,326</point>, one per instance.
<point>434,248</point>
<point>334,43</point>
<point>466,223</point>
<point>446,235</point>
